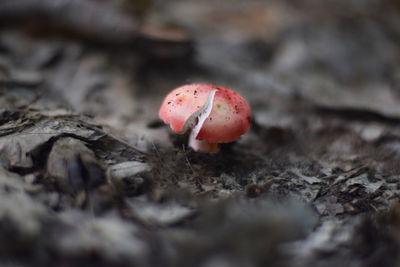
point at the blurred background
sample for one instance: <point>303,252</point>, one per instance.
<point>116,60</point>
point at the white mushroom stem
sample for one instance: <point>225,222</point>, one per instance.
<point>202,145</point>
<point>195,123</point>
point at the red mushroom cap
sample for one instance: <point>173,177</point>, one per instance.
<point>229,118</point>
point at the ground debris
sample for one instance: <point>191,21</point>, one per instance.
<point>35,131</point>
<point>74,166</point>
<point>89,176</point>
<point>308,179</point>
<point>162,214</point>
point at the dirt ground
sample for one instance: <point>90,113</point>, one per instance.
<point>90,176</point>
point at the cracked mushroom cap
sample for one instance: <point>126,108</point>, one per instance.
<point>229,117</point>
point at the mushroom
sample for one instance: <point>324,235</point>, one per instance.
<point>211,113</point>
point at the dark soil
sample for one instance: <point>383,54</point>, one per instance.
<point>90,176</point>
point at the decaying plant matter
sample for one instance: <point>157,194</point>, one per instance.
<point>90,176</point>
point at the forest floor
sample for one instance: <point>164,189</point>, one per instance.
<point>90,176</point>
